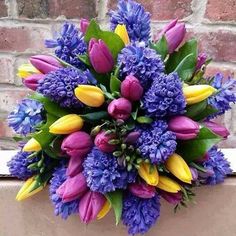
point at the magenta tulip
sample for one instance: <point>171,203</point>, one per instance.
<point>74,166</point>
<point>90,205</point>
<point>32,81</point>
<point>183,127</point>
<point>131,88</point>
<point>102,142</point>
<point>142,190</point>
<point>132,137</point>
<point>120,108</point>
<point>44,63</point>
<point>100,56</point>
<point>172,198</point>
<point>84,23</point>
<point>202,57</point>
<point>217,129</point>
<point>194,173</point>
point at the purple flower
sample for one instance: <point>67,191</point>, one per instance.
<point>156,142</point>
<point>59,86</point>
<point>165,97</point>
<point>143,63</point>
<point>68,44</point>
<point>61,208</point>
<point>140,214</point>
<point>103,173</point>
<point>26,116</point>
<point>134,17</point>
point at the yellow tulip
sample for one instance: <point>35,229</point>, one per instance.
<point>26,70</point>
<point>197,93</point>
<point>32,146</point>
<point>149,173</point>
<point>29,188</point>
<point>179,168</point>
<point>168,185</point>
<point>122,32</point>
<point>104,211</point>
<point>90,95</point>
<point>67,124</point>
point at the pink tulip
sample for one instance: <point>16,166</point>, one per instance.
<point>194,173</point>
<point>172,198</point>
<point>142,190</point>
<point>102,142</point>
<point>132,137</point>
<point>217,129</point>
<point>84,23</point>
<point>74,166</point>
<point>32,81</point>
<point>200,60</point>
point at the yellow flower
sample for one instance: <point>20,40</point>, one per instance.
<point>32,146</point>
<point>179,168</point>
<point>168,185</point>
<point>90,95</point>
<point>104,211</point>
<point>149,173</point>
<point>197,93</point>
<point>67,124</point>
<point>122,32</point>
<point>26,70</point>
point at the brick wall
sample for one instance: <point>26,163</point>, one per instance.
<point>24,24</point>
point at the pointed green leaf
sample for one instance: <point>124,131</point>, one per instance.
<point>144,120</point>
<point>196,109</point>
<point>44,138</point>
<point>85,59</point>
<point>94,116</point>
<point>115,84</point>
<point>161,47</point>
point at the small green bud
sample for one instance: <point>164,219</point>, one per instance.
<point>123,146</point>
<point>117,153</point>
<point>129,167</point>
<point>139,160</point>
<point>95,130</point>
<point>127,158</point>
<point>114,141</point>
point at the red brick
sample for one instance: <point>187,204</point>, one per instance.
<point>3,8</point>
<point>5,131</point>
<point>212,70</point>
<point>6,70</point>
<point>72,8</point>
<point>218,10</point>
<point>163,9</point>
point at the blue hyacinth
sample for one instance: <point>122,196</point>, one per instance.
<point>134,17</point>
<point>69,44</point>
<point>26,116</point>
<point>140,214</point>
<point>156,142</point>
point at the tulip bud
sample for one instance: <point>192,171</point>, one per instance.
<point>183,127</point>
<point>31,81</point>
<point>120,108</point>
<point>217,129</point>
<point>149,173</point>
<point>90,95</point>
<point>75,166</point>
<point>132,137</point>
<point>167,184</point>
<point>142,190</point>
<point>32,146</point>
<point>66,124</point>
<point>202,57</point>
<point>104,211</point>
<point>100,56</point>
<point>178,167</point>
<point>90,205</point>
<point>131,88</point>
<point>206,174</point>
<point>122,32</point>
<point>44,63</point>
<point>84,23</point>
<point>102,142</point>
<point>197,93</point>
<point>77,144</point>
<point>26,70</point>
<point>194,173</point>
<point>72,188</point>
<point>172,198</point>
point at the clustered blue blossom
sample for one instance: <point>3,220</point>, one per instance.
<point>103,174</point>
<point>156,142</point>
<point>142,62</point>
<point>59,86</point>
<point>226,95</point>
<point>61,208</point>
<point>134,17</point>
<point>26,116</point>
<point>68,44</point>
<point>218,165</point>
<point>140,214</point>
<point>165,97</point>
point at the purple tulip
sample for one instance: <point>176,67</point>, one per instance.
<point>44,63</point>
<point>77,144</point>
<point>217,129</point>
<point>100,56</point>
<point>142,190</point>
<point>74,166</point>
<point>194,173</point>
<point>102,142</point>
<point>90,205</point>
<point>120,108</point>
<point>72,188</point>
<point>132,137</point>
<point>172,198</point>
<point>183,127</point>
<point>84,23</point>
<point>174,33</point>
<point>31,81</point>
<point>205,175</point>
<point>131,88</point>
<point>202,57</point>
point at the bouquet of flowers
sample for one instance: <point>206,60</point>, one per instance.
<point>118,120</point>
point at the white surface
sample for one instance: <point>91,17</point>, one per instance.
<point>5,156</point>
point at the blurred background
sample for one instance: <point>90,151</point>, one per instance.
<point>24,24</point>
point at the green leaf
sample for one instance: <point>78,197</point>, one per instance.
<point>44,138</point>
<point>194,149</point>
<point>114,84</point>
<point>115,199</point>
<point>144,120</point>
<point>196,109</point>
<point>112,40</point>
<point>209,110</point>
<point>94,116</point>
<point>85,59</point>
<point>161,47</point>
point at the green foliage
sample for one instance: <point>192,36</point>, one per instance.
<point>114,84</point>
<point>161,47</point>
